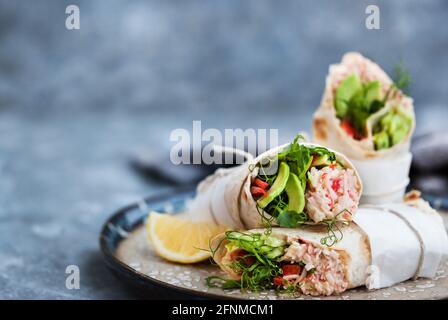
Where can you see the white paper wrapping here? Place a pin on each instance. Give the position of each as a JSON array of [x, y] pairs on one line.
[[406, 242], [384, 179]]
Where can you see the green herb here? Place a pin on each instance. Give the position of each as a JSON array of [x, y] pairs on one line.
[[269, 179], [256, 277], [299, 158], [355, 101], [291, 288], [396, 123], [256, 244], [335, 234], [266, 250], [278, 205], [266, 219], [291, 219], [223, 283], [391, 128], [321, 151], [402, 77]]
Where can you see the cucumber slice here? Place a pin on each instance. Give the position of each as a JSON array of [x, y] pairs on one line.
[[274, 242], [275, 253]]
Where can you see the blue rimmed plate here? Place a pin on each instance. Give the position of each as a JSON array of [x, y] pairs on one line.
[[129, 255]]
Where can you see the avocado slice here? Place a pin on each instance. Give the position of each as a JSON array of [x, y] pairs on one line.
[[381, 140], [341, 108], [373, 92], [399, 135], [401, 129], [346, 90], [296, 195], [277, 187], [396, 125], [307, 167], [386, 120]]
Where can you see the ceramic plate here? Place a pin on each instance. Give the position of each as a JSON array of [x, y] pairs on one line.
[[128, 253]]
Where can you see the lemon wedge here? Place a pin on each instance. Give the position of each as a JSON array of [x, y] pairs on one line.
[[180, 240]]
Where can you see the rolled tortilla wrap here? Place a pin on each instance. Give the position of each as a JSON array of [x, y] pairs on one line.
[[387, 245], [407, 241], [327, 127], [317, 210], [323, 270], [226, 198]]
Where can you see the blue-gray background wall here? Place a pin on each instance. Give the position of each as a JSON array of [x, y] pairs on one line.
[[207, 59], [74, 105]]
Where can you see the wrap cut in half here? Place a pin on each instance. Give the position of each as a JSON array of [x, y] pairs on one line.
[[388, 244], [363, 113], [291, 185], [293, 259]]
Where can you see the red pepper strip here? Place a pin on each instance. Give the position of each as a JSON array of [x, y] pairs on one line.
[[257, 192], [278, 281], [260, 183], [290, 269], [347, 127]]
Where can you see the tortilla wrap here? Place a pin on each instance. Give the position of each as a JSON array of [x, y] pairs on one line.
[[327, 129], [225, 197], [385, 245], [410, 235], [353, 248]]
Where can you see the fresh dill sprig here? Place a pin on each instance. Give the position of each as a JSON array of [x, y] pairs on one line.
[[402, 80], [402, 77]]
